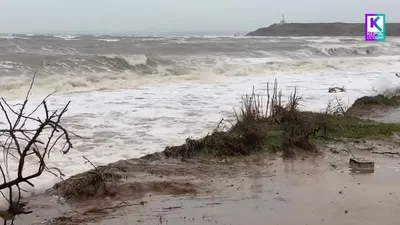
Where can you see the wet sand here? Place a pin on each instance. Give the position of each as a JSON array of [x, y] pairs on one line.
[[261, 189]]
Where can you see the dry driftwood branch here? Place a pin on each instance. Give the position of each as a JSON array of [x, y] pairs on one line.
[[20, 142]]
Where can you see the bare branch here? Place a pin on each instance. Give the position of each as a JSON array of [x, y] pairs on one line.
[[20, 142]]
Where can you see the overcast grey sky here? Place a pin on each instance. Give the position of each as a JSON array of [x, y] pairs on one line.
[[133, 16]]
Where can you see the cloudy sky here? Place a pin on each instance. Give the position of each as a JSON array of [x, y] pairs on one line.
[[157, 16]]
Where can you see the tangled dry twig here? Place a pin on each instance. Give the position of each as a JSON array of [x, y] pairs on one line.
[[101, 181], [336, 107], [20, 143]]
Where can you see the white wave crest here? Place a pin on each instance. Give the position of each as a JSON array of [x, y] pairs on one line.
[[108, 40], [66, 37]]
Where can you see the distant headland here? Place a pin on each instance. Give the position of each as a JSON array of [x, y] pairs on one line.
[[320, 29]]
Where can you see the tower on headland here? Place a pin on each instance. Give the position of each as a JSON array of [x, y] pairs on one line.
[[283, 20]]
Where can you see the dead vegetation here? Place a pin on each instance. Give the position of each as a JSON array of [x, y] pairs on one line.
[[337, 108], [21, 144]]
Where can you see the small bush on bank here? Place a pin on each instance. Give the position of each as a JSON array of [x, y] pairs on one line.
[[262, 122]]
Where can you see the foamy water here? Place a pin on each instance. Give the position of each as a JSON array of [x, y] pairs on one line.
[[164, 110]]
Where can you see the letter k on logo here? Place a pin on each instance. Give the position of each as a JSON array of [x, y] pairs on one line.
[[374, 23]]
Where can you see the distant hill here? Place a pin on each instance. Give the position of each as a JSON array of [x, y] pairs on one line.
[[320, 29]]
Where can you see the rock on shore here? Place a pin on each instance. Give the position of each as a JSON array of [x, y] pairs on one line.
[[320, 29]]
